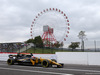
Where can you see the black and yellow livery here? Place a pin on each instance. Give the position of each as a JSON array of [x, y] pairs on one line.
[[31, 60]]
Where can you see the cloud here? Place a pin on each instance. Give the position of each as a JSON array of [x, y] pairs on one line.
[[16, 17]]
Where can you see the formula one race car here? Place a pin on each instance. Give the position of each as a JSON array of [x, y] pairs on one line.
[[35, 61]]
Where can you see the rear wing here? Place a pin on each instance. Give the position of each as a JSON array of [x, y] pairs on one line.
[[11, 56]]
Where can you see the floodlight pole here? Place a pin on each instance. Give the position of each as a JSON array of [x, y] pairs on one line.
[[83, 45], [95, 45]]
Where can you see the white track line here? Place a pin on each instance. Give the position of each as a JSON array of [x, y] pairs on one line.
[[34, 71], [78, 70], [92, 73], [81, 70]]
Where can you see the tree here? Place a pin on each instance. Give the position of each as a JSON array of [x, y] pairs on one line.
[[47, 43], [74, 45], [82, 36], [62, 44], [29, 41], [57, 44], [38, 42]]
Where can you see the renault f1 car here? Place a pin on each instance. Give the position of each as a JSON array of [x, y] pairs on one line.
[[30, 59]]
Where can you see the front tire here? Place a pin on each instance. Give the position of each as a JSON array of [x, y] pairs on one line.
[[45, 63]]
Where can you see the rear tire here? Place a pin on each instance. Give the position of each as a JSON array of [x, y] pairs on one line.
[[10, 62]]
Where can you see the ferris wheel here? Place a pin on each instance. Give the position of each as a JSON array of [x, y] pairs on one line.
[[51, 24]]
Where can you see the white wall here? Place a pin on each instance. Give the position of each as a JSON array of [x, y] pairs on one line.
[[94, 58], [81, 58], [72, 57]]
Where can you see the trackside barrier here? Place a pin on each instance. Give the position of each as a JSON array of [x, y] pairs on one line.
[[4, 56], [94, 58], [80, 58]]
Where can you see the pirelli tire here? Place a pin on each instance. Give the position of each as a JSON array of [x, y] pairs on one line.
[[45, 63], [10, 61]]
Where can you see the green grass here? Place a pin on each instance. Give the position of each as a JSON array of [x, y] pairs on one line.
[[43, 51]]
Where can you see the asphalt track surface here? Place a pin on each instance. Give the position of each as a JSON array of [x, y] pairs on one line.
[[33, 70]]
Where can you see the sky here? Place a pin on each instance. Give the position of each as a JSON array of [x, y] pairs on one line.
[[16, 17]]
